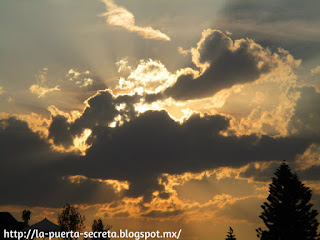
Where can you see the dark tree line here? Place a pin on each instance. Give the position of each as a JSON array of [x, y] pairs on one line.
[[70, 219], [287, 213]]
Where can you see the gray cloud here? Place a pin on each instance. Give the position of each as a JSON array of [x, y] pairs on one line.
[[150, 144], [153, 143], [139, 151], [265, 173], [262, 173], [274, 24], [25, 169], [311, 173], [306, 118], [121, 214], [162, 214], [231, 62], [101, 111], [59, 131], [270, 11]]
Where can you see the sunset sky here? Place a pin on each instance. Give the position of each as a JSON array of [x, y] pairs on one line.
[[157, 114]]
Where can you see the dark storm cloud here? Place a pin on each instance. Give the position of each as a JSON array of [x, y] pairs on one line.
[[138, 151], [230, 62], [141, 150], [100, 112], [19, 142], [59, 131], [26, 176], [44, 186]]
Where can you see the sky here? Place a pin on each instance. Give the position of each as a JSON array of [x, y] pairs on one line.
[[157, 115]]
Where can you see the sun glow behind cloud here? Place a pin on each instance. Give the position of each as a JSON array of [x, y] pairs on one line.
[[79, 142], [160, 139], [42, 91], [2, 91], [41, 88], [117, 185], [151, 77], [148, 77]]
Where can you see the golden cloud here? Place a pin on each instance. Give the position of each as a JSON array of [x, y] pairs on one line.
[[121, 17], [2, 91], [310, 157], [42, 91]]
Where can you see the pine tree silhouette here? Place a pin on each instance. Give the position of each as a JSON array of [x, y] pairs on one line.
[[288, 215], [230, 235]]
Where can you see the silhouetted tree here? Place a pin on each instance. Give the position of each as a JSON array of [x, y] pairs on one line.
[[230, 235], [288, 214], [98, 226], [26, 214], [70, 219]]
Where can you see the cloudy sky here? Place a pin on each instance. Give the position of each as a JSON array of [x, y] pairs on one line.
[[161, 114]]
